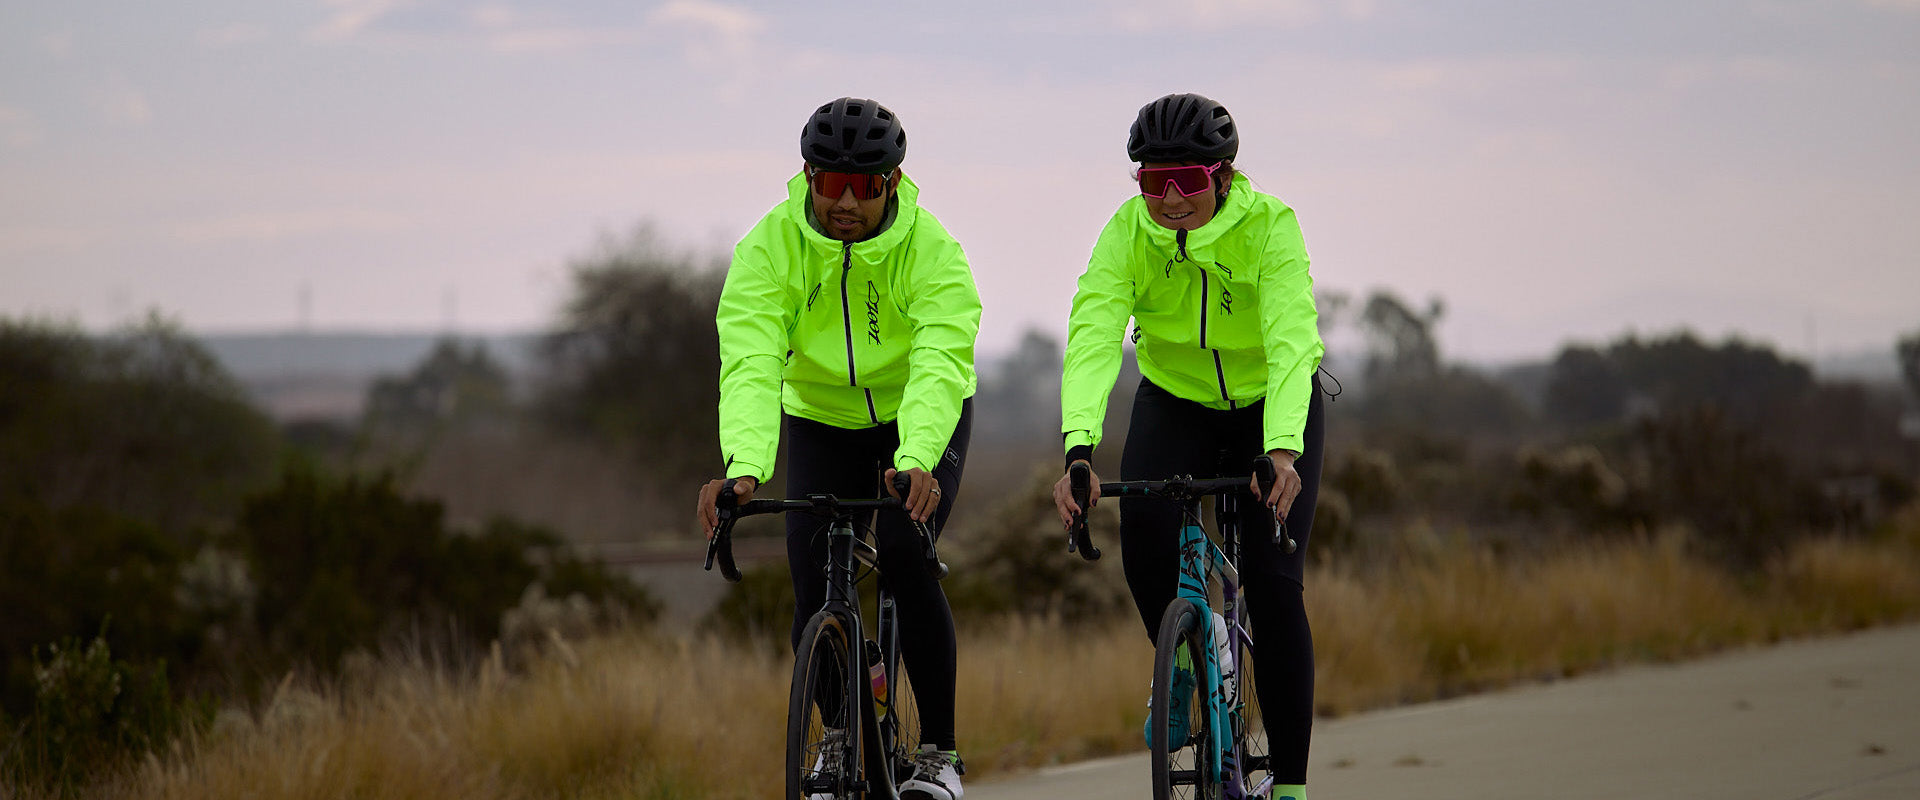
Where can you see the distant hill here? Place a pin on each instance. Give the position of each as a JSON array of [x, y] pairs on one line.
[[1868, 366], [252, 356], [325, 375]]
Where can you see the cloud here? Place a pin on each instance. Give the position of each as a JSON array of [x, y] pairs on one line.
[[18, 127], [1904, 6], [350, 17], [506, 29], [124, 105], [228, 35], [1694, 75], [1148, 16], [725, 41], [729, 23], [57, 44], [276, 226]]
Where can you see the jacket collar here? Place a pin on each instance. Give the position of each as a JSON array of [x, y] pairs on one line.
[[906, 204], [1229, 215]]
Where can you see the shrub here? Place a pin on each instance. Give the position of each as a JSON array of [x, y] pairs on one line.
[[92, 714], [349, 563]]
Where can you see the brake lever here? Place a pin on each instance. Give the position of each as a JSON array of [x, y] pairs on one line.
[[902, 484], [1263, 473], [1079, 537], [721, 545]]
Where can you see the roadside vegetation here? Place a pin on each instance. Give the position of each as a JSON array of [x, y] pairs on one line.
[[205, 602], [658, 715]]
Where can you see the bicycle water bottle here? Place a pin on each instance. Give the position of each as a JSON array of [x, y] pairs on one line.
[[1223, 650], [877, 673]]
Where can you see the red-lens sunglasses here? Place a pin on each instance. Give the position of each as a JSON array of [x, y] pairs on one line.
[[835, 184], [1190, 180]]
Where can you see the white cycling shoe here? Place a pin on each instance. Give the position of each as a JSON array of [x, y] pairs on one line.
[[936, 776]]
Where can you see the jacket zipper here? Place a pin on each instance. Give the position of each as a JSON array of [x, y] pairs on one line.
[[1219, 370], [846, 323]]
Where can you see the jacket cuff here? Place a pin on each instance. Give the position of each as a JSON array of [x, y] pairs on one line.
[[1079, 452], [742, 469], [1293, 444]]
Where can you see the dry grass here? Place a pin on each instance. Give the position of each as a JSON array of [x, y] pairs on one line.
[[619, 717], [1461, 620], [634, 716], [1034, 693]]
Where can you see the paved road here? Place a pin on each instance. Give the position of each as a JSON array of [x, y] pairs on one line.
[[1828, 719]]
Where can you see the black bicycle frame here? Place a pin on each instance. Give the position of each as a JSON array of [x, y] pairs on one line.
[[844, 549]]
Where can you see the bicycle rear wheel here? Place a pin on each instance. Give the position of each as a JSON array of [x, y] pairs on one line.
[[823, 724], [1180, 720]]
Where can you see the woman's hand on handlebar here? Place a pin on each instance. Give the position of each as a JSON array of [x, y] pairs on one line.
[[743, 487], [923, 493], [1286, 484], [1063, 495]]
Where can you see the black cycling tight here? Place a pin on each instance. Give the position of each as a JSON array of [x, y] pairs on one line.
[[1170, 436], [822, 458]]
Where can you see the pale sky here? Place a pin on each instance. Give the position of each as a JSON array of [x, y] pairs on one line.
[[1553, 171]]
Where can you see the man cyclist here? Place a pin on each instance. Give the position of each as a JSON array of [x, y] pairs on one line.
[[848, 318], [1214, 276]]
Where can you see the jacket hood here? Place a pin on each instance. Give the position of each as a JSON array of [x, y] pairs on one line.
[[907, 206], [1230, 214]]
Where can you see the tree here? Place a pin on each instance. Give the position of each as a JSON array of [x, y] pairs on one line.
[[1908, 350], [1585, 387], [142, 423], [1400, 340], [635, 359], [1019, 403], [455, 384]]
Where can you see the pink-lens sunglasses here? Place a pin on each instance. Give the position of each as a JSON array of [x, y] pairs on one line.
[[1190, 180]]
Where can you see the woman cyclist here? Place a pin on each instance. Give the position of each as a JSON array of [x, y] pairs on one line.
[[848, 318], [1214, 276]]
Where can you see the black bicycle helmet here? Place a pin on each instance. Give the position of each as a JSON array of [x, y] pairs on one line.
[[854, 135], [1183, 127]]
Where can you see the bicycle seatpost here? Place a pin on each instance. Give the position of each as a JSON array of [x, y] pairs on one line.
[[902, 483], [1264, 474], [1080, 539]]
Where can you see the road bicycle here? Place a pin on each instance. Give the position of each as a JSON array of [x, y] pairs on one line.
[[1202, 661], [852, 720]]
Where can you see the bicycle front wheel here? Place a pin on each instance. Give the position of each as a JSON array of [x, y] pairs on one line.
[[1249, 728], [1180, 722], [823, 724], [901, 728]]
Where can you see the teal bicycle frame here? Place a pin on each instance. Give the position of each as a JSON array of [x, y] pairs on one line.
[[1224, 759]]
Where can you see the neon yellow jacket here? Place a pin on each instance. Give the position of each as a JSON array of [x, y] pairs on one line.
[[1224, 315], [851, 335]]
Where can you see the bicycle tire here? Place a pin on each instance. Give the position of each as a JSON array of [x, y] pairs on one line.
[[1177, 773], [904, 711], [820, 669], [1249, 727]]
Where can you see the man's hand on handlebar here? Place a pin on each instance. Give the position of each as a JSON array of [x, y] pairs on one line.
[[1063, 495], [923, 496], [743, 487]]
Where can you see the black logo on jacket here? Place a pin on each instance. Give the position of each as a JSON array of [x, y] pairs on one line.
[[873, 313]]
